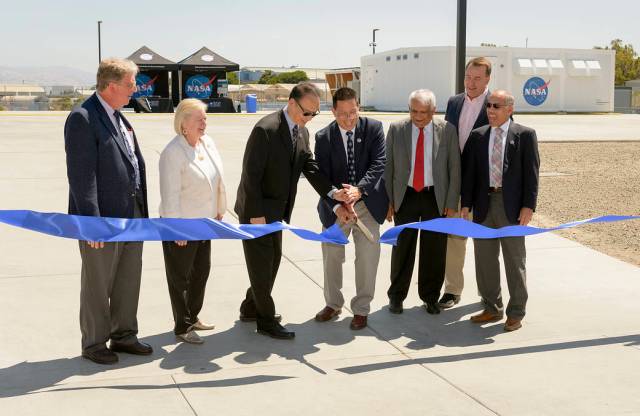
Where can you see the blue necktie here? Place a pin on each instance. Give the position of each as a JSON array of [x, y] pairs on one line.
[[128, 145]]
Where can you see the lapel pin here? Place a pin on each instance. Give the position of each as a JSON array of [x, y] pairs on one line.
[[359, 140]]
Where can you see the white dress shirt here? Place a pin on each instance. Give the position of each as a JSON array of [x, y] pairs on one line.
[[492, 136], [428, 152], [121, 127], [470, 111]]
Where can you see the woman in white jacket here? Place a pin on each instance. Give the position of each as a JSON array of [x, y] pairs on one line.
[[191, 186]]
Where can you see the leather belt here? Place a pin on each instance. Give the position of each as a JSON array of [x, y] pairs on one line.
[[494, 189]]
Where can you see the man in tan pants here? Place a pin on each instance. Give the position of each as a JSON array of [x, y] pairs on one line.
[[466, 111], [350, 152]]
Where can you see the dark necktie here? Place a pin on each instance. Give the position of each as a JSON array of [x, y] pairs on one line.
[[128, 145], [351, 165]]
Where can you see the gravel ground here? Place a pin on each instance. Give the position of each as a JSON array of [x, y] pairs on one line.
[[584, 180]]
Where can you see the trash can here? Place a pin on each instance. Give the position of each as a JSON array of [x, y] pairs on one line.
[[252, 103]]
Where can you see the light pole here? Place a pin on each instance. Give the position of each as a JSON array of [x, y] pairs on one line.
[[461, 45], [373, 44], [99, 43]]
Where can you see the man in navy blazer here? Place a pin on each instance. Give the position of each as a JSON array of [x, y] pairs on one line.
[[466, 111], [500, 185], [106, 174], [351, 152]]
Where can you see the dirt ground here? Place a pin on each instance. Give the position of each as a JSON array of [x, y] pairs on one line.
[[585, 180]]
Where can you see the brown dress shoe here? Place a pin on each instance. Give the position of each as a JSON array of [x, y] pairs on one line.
[[485, 317], [327, 314], [358, 322], [512, 324]]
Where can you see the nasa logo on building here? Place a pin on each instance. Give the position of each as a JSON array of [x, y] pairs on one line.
[[199, 86], [535, 91], [145, 86]]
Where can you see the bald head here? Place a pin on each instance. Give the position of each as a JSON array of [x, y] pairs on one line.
[[503, 100]]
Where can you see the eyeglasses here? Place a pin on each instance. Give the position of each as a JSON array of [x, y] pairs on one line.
[[307, 113], [352, 114], [495, 105]]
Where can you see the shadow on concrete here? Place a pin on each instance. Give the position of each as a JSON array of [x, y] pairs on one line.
[[248, 347], [229, 382], [426, 331], [631, 339]]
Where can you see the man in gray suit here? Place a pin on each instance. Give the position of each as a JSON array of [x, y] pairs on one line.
[[422, 177], [106, 173]]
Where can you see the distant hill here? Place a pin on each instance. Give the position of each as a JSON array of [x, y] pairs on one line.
[[50, 75]]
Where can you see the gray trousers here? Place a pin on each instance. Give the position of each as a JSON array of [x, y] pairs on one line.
[[366, 263], [488, 266], [109, 289]]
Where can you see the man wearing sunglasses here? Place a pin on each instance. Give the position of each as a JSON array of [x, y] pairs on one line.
[[500, 185], [276, 153], [466, 111]]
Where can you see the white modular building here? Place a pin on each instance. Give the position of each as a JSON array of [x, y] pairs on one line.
[[541, 80]]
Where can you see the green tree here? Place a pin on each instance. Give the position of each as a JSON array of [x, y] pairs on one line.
[[627, 61], [232, 77], [292, 77], [267, 77]]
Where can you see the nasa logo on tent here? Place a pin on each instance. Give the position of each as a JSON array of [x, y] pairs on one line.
[[199, 86], [145, 85], [535, 91]]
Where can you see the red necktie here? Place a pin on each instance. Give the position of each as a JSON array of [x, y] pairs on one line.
[[418, 170]]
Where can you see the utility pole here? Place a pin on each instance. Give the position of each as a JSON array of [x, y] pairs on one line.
[[373, 44], [99, 43], [461, 45]]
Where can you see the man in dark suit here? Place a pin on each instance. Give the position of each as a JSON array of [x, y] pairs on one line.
[[351, 151], [500, 185], [422, 178], [466, 111], [276, 153], [107, 178]]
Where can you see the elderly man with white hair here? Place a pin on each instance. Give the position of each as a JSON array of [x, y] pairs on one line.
[[422, 177]]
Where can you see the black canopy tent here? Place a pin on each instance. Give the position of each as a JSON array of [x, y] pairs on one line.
[[199, 76], [153, 81]]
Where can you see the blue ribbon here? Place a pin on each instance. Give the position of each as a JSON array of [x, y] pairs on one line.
[[153, 229], [172, 229], [464, 228]]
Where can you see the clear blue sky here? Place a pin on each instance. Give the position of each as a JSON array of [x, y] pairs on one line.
[[325, 33]]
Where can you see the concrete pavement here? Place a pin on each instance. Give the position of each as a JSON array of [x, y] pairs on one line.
[[577, 353]]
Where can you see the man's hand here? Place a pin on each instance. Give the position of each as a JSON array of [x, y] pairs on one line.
[[259, 220], [181, 243], [344, 215], [96, 244], [450, 213], [525, 215], [353, 192], [341, 195], [464, 213], [390, 213]]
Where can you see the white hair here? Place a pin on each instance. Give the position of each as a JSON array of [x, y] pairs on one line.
[[426, 97], [185, 109]]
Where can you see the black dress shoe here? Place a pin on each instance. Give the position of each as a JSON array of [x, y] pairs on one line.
[[395, 307], [448, 300], [252, 318], [277, 332], [137, 348], [103, 356], [432, 308]]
